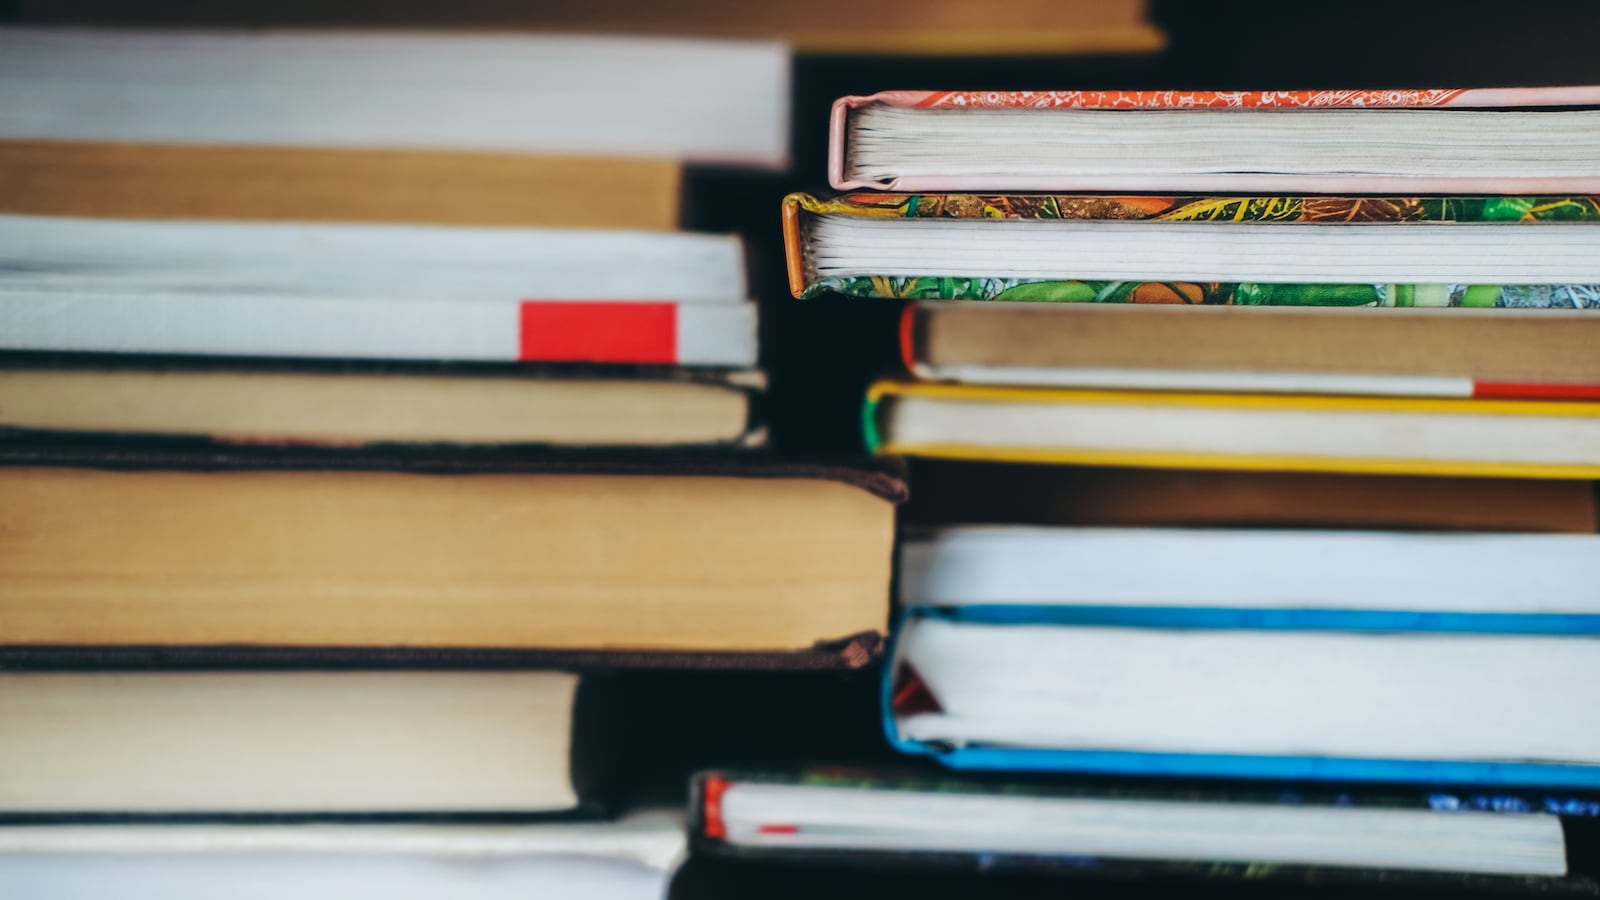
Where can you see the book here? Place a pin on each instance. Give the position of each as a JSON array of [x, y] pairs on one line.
[[1299, 695], [306, 184], [364, 291], [1256, 575], [1198, 250], [947, 28], [1403, 352], [1081, 830], [291, 743], [307, 556], [719, 102], [966, 492], [1382, 141], [1255, 432], [56, 397], [629, 859]]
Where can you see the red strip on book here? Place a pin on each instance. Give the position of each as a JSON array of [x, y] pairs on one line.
[[599, 331], [712, 790], [1510, 390]]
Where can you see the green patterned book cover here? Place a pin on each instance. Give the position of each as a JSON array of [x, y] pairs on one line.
[[807, 278]]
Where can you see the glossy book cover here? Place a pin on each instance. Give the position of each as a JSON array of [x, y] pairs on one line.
[[799, 210]]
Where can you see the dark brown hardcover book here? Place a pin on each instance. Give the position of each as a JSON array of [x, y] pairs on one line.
[[169, 556]]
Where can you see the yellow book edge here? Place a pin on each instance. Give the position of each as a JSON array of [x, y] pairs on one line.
[[1225, 461]]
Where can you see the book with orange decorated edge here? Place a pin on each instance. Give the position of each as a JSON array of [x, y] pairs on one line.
[[1262, 432], [1510, 140], [1521, 252]]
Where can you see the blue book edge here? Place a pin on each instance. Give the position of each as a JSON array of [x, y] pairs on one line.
[[1273, 768]]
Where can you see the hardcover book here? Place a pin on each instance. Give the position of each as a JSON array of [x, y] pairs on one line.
[[1287, 694], [365, 291], [1200, 250], [394, 556], [58, 397], [1415, 352], [895, 28], [1499, 140], [1423, 839], [1254, 432]]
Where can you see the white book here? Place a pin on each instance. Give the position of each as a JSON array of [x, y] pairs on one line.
[[1455, 697], [630, 859], [1019, 823], [1252, 569], [705, 101], [367, 291]]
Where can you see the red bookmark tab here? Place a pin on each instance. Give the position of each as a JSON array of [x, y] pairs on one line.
[[599, 331], [1510, 390], [712, 790]]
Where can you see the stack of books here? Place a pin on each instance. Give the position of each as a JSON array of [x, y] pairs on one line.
[[360, 401], [1392, 295]]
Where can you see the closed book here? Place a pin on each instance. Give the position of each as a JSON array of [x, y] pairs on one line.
[[309, 184], [1240, 432], [275, 745], [945, 28], [185, 556], [1433, 140], [1275, 251], [1087, 830], [370, 291], [1403, 352], [1335, 655], [702, 101], [67, 396], [631, 858], [965, 492]]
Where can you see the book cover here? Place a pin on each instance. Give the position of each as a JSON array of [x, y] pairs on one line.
[[710, 828], [798, 209], [1380, 98], [597, 531], [1365, 428], [904, 693], [1291, 350], [200, 401]]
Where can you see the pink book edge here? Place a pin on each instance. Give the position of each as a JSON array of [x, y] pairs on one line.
[[1577, 95]]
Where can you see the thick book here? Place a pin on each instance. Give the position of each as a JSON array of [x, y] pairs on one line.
[[1252, 432], [1343, 695], [366, 291], [236, 402], [1437, 839], [631, 858], [308, 184], [701, 101], [1451, 140], [898, 28], [263, 744], [1416, 353], [141, 555], [966, 492], [1293, 251]]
